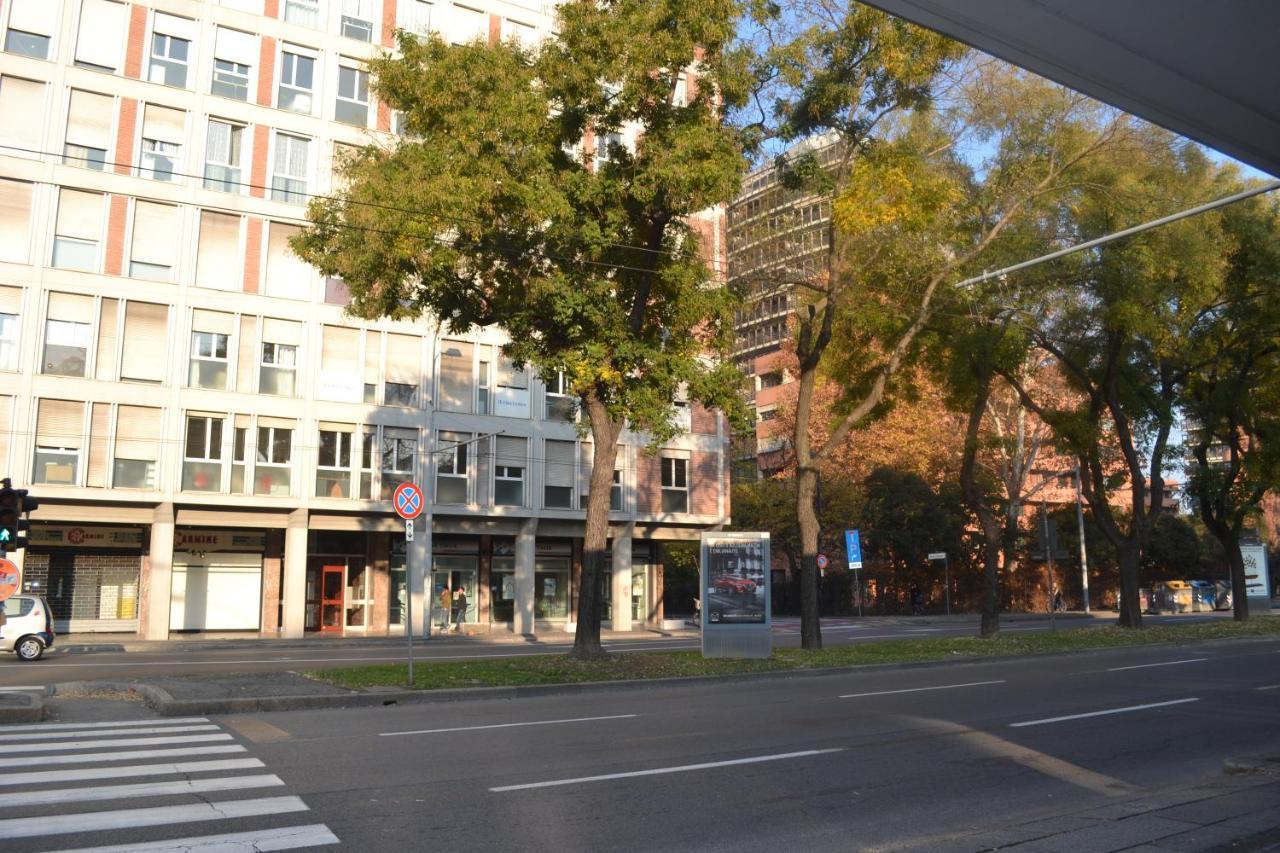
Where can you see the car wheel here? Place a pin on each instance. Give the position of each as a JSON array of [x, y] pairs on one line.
[[29, 648]]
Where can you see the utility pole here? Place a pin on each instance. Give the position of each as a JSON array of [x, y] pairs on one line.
[[1084, 557], [1048, 561]]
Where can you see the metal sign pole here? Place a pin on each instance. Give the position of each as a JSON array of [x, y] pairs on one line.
[[408, 597], [946, 575]]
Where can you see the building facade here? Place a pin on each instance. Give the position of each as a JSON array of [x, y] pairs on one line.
[[214, 442]]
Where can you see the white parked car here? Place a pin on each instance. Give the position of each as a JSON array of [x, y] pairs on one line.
[[27, 628]]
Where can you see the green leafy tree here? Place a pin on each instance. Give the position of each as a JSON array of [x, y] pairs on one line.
[[492, 210]]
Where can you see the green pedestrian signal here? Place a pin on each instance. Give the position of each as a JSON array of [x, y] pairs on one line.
[[14, 503]]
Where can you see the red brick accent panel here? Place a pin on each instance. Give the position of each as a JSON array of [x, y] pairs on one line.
[[252, 254], [384, 117], [124, 135], [137, 42], [116, 219], [495, 28], [258, 170], [704, 483], [266, 70], [703, 419], [648, 483], [271, 8], [388, 23]]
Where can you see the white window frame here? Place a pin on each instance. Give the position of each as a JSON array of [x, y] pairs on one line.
[[354, 100], [282, 358], [289, 191], [148, 157], [678, 467], [555, 391], [72, 329], [10, 327], [212, 450], [288, 82], [264, 457], [304, 13], [503, 474], [447, 461], [344, 441], [233, 183], [400, 474], [353, 14], [164, 60], [198, 355], [231, 77]]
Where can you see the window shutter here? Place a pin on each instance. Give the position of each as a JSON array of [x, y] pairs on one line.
[[287, 275], [138, 433], [278, 423], [155, 227], [10, 303], [235, 46], [146, 341], [404, 359], [511, 451], [213, 321], [164, 124], [89, 119], [247, 362], [71, 307], [218, 261], [15, 220], [559, 463], [79, 215], [6, 425], [331, 426], [20, 97], [339, 349], [34, 16], [281, 331], [106, 361], [102, 33], [60, 423], [183, 28], [372, 354], [100, 424]]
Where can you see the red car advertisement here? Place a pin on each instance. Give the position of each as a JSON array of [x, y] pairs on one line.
[[735, 575]]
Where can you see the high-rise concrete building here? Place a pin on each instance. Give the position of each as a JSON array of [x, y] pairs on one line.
[[214, 442]]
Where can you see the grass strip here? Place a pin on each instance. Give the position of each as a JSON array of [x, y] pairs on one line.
[[560, 669]]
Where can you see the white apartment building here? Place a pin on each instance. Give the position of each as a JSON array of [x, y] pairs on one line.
[[213, 441]]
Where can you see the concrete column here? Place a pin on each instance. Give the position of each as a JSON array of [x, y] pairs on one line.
[[526, 540], [159, 574], [294, 584], [418, 571], [622, 577]]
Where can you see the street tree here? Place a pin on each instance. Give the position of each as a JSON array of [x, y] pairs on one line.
[[512, 199]]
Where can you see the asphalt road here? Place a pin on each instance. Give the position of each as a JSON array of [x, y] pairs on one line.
[[907, 759], [67, 662]]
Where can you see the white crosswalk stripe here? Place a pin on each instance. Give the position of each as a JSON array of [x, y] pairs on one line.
[[173, 788]]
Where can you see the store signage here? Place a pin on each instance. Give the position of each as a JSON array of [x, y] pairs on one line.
[[218, 540], [736, 613], [72, 536]]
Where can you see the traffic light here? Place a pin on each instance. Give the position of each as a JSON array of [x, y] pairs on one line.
[[14, 503]]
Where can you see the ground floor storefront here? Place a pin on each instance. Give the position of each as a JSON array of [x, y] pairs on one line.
[[287, 575]]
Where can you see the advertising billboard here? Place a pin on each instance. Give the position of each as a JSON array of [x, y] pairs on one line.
[[1257, 579], [735, 595]]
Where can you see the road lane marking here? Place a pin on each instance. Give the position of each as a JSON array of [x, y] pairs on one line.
[[1101, 713], [284, 838], [85, 757], [1163, 663], [41, 777], [157, 730], [919, 689], [27, 827], [16, 687], [1269, 687], [658, 771], [508, 725], [45, 727], [143, 789], [97, 744]]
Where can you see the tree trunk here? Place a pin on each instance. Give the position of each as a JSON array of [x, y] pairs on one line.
[[1009, 549], [978, 505], [1129, 556], [604, 434], [1239, 587], [806, 511]]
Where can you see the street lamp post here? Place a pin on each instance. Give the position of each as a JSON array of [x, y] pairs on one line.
[[1048, 561]]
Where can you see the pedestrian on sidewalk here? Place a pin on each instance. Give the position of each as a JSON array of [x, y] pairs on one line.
[[446, 600], [460, 603], [917, 600]]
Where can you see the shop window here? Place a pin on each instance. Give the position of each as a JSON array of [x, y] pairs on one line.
[[274, 454], [202, 454], [170, 50], [15, 220], [404, 357], [357, 20], [88, 140], [305, 13], [137, 449], [451, 467], [78, 230], [219, 258], [31, 27], [153, 252], [101, 35], [223, 152], [278, 370], [297, 81], [163, 130], [333, 463], [455, 377], [675, 484], [508, 473], [209, 360], [513, 390], [234, 53], [559, 472], [59, 442], [144, 354], [399, 447], [353, 96], [368, 448], [560, 405]]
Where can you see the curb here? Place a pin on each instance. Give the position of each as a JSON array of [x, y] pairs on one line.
[[1266, 766], [21, 708]]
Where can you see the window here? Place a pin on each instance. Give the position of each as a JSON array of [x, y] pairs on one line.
[[8, 333], [468, 25], [304, 12], [275, 450], [402, 371], [219, 262], [102, 34], [153, 250], [162, 134], [78, 230], [483, 382], [451, 468], [353, 96], [675, 484], [20, 97], [455, 376], [525, 35], [606, 149], [560, 404], [31, 25], [88, 138], [137, 449], [209, 360], [202, 454], [513, 390], [297, 81], [223, 148], [415, 16], [615, 491], [357, 19], [279, 368], [333, 463], [234, 53], [768, 415], [683, 416], [558, 474], [340, 364], [680, 98], [289, 181], [170, 50], [399, 447], [59, 440], [68, 334], [287, 275], [508, 471], [15, 221], [771, 380], [144, 355], [239, 457], [369, 443]]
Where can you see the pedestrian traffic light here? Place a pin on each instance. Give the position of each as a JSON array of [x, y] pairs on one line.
[[13, 504]]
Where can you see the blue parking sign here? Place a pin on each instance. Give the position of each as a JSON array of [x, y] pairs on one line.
[[853, 544]]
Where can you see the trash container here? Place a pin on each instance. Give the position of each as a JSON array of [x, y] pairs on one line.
[[1222, 595], [1175, 596], [1203, 596]]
